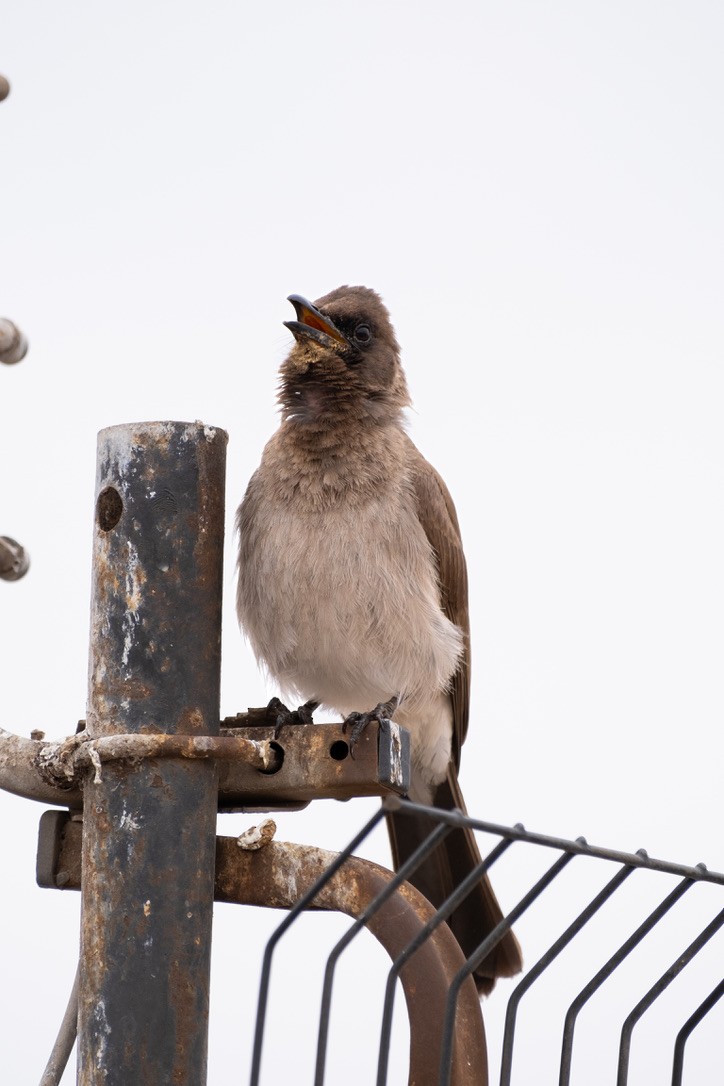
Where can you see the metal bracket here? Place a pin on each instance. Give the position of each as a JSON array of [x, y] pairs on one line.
[[59, 835], [306, 762], [314, 762], [358, 889]]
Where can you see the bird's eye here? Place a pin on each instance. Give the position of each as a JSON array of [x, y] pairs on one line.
[[363, 334]]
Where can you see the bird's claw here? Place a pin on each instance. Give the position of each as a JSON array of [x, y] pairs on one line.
[[279, 715], [357, 722]]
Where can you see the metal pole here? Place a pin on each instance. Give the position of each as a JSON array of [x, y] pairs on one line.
[[149, 827]]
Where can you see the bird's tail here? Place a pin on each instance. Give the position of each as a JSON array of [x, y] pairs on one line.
[[443, 870]]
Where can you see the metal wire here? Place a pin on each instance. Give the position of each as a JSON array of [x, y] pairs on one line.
[[687, 1029], [534, 973], [65, 1041], [303, 903], [441, 915], [655, 991], [603, 974], [407, 869], [485, 947], [567, 850]]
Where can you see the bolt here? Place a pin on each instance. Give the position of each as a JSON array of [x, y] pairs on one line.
[[13, 344], [14, 560]]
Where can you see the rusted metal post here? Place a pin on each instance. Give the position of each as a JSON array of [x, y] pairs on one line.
[[278, 875], [149, 827]]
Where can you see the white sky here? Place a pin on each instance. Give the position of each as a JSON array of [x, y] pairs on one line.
[[536, 190]]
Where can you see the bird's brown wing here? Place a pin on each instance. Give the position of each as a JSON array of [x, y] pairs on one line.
[[443, 870], [439, 520], [452, 861]]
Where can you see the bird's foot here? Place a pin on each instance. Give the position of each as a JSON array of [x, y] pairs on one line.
[[357, 722], [279, 716]]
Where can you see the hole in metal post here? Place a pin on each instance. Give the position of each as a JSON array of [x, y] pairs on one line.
[[339, 750], [109, 508], [278, 759]]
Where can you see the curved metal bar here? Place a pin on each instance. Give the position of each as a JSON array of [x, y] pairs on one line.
[[303, 902], [688, 1028], [373, 906], [655, 991], [441, 915], [20, 772], [605, 972], [52, 772], [65, 1041], [263, 878], [550, 955], [465, 973], [72, 758]]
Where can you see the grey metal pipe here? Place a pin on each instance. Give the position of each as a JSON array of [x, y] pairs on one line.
[[149, 827]]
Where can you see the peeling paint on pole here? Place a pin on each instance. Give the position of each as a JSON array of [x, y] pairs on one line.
[[149, 826]]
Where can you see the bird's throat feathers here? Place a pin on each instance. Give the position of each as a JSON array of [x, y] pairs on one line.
[[323, 466], [324, 398], [342, 391]]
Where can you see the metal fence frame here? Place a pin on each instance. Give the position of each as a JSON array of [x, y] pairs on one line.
[[566, 850]]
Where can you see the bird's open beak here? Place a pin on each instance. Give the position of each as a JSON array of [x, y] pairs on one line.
[[311, 324]]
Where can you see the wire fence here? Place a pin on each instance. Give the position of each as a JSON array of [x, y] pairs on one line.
[[667, 887]]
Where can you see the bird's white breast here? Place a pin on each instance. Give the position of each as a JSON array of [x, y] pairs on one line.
[[343, 605]]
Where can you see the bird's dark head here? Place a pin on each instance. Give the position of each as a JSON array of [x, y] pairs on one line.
[[345, 361]]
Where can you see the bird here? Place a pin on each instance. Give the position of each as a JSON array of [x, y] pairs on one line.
[[352, 580]]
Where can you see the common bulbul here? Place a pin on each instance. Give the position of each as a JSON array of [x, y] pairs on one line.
[[352, 583]]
